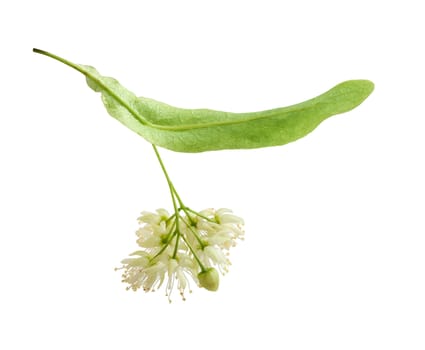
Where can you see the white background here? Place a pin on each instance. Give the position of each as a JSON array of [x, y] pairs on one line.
[[334, 250]]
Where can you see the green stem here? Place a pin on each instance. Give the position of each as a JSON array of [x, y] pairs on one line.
[[188, 215], [170, 185], [176, 247], [171, 231], [195, 234], [170, 218], [163, 247], [178, 198], [200, 215], [194, 254], [174, 195]]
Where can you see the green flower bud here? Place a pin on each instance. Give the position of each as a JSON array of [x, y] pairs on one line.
[[209, 279]]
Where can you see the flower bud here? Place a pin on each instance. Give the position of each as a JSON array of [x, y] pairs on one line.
[[209, 279]]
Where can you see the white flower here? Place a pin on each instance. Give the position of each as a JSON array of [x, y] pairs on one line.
[[177, 273], [152, 218], [183, 247], [146, 276], [225, 216], [223, 229], [152, 235], [214, 256]]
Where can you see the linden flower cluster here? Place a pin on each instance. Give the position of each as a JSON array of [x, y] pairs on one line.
[[181, 247]]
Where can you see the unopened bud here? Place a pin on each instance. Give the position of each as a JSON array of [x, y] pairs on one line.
[[209, 279]]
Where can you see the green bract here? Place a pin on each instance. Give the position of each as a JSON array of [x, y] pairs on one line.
[[198, 130]]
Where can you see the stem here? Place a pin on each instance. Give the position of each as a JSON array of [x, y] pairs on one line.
[[164, 247], [200, 215], [170, 185], [170, 218], [195, 234], [179, 199], [172, 230], [174, 195], [194, 254], [188, 215], [176, 247]]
